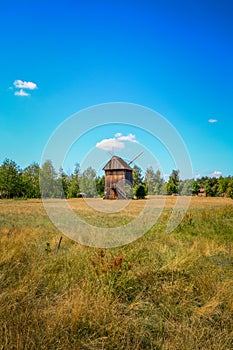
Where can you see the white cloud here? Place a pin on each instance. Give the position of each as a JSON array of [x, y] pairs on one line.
[[110, 144], [129, 137], [21, 92], [116, 142], [212, 121], [216, 173], [19, 84], [197, 176]]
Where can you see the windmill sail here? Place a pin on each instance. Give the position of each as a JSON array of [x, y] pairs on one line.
[[139, 155]]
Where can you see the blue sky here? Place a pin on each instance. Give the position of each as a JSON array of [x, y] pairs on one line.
[[175, 57]]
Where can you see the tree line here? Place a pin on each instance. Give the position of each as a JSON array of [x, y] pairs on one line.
[[35, 181]]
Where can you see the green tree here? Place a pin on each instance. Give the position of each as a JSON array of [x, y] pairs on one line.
[[63, 183], [223, 184], [163, 189], [73, 184], [201, 181], [153, 181], [88, 183], [211, 186], [187, 187], [48, 181], [208, 190], [229, 191], [30, 181], [159, 182], [150, 180], [173, 182], [137, 176], [10, 179], [196, 187], [171, 188], [140, 191], [100, 185]]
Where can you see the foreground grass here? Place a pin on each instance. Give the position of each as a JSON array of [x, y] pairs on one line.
[[163, 291]]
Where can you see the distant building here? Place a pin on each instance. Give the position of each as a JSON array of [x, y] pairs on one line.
[[201, 192], [118, 179]]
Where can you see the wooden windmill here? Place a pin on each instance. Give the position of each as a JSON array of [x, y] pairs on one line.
[[118, 177]]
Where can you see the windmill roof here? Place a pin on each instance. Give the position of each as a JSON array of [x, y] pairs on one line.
[[117, 163]]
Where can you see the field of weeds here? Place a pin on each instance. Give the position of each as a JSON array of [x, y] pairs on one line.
[[163, 291]]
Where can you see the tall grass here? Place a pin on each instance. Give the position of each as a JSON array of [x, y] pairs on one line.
[[163, 291]]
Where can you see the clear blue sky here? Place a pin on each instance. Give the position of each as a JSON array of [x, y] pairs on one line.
[[173, 56]]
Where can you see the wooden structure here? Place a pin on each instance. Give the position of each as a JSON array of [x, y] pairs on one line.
[[202, 192], [118, 176]]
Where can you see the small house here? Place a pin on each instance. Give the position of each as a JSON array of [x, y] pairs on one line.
[[118, 179], [202, 192]]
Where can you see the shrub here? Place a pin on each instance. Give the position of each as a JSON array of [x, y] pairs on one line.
[[140, 191]]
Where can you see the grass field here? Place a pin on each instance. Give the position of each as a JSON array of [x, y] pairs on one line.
[[163, 291]]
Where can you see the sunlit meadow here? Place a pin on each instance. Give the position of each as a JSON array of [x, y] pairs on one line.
[[163, 291]]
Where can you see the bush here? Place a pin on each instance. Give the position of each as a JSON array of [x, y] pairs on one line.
[[230, 190], [140, 191]]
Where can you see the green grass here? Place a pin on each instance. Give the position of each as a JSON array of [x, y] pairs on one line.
[[163, 291]]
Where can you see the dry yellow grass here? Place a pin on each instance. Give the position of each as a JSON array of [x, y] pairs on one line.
[[35, 206], [196, 202], [163, 291]]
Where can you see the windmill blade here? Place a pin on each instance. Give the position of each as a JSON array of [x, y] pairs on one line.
[[139, 155]]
